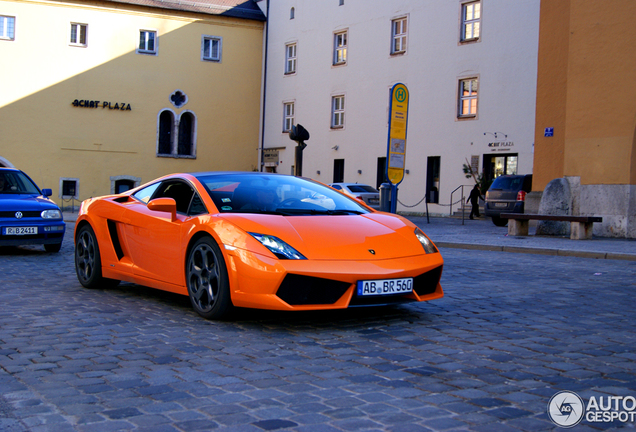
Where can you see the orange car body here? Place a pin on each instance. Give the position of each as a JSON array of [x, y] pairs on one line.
[[148, 244]]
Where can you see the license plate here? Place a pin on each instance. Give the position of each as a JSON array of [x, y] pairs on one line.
[[374, 200], [501, 204], [20, 230], [385, 286]]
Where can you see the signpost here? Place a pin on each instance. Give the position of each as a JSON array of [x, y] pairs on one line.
[[396, 142]]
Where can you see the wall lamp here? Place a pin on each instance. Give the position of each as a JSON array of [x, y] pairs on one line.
[[495, 134], [359, 171], [335, 148], [318, 172]]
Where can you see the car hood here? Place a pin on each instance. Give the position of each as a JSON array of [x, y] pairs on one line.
[[25, 202], [372, 236]]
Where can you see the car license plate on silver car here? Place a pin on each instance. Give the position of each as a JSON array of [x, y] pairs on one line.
[[20, 230], [501, 204], [385, 286]]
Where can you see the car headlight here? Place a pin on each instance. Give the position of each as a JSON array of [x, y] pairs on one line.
[[428, 245], [278, 247], [51, 214]]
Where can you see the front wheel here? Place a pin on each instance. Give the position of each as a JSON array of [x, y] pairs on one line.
[[207, 280], [88, 263]]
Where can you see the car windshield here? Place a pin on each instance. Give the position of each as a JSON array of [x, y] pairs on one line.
[[276, 194], [15, 182], [507, 183], [362, 188]]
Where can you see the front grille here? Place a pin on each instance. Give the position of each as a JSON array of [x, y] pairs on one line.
[[307, 290], [426, 283], [25, 214]]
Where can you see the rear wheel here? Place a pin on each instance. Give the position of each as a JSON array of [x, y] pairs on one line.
[[88, 263], [500, 222], [207, 280]]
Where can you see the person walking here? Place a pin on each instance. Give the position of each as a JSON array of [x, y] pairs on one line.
[[474, 196]]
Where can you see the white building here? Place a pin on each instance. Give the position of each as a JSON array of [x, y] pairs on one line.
[[470, 68]]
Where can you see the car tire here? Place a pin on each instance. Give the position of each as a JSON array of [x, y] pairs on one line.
[[500, 222], [53, 248], [207, 280], [88, 263]]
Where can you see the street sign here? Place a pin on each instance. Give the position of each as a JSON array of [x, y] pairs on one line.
[[548, 132], [396, 142]]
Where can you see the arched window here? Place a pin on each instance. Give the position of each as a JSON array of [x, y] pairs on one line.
[[166, 123], [292, 13], [186, 123]]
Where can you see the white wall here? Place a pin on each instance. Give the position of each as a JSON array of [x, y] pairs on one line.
[[504, 60]]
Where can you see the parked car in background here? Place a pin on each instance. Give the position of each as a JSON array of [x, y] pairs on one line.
[[368, 194], [507, 194], [27, 215]]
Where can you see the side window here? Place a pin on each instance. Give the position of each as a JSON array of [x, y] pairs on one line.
[[290, 58], [211, 48], [78, 34], [398, 35], [471, 21], [288, 116], [147, 42], [468, 93], [180, 191], [144, 195], [340, 48], [196, 206]]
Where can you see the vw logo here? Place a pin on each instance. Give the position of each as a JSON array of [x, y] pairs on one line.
[[18, 215]]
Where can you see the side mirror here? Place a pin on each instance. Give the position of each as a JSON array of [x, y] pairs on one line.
[[47, 192], [167, 205]]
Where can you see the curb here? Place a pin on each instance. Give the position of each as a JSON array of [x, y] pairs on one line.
[[539, 251]]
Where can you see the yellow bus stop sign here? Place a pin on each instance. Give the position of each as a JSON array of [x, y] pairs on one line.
[[396, 146]]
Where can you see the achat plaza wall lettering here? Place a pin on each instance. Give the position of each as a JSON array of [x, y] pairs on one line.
[[123, 106]]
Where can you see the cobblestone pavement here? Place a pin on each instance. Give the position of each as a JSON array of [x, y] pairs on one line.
[[512, 330]]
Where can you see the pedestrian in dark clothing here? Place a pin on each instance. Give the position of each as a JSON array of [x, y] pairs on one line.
[[474, 196]]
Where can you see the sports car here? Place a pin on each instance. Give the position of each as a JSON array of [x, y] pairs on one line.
[[254, 240], [27, 215]]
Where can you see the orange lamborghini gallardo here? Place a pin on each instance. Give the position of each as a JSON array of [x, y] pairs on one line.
[[254, 240]]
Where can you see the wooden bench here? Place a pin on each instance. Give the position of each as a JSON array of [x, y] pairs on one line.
[[580, 226]]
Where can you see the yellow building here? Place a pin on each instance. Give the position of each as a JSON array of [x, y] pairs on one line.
[[586, 108], [100, 96]]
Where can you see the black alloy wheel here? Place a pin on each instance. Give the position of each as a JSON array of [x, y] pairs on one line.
[[88, 263], [207, 280]]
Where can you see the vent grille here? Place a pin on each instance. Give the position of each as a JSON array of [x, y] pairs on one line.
[[307, 290]]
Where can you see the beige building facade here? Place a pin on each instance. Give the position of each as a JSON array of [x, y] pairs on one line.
[[100, 96], [586, 109]]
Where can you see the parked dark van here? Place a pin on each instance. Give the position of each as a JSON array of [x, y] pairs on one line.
[[507, 194]]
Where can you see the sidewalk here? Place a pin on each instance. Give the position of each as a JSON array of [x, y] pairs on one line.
[[482, 234]]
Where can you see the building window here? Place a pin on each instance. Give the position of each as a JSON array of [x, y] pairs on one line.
[[69, 188], [468, 91], [398, 33], [471, 21], [211, 48], [78, 34], [186, 135], [340, 48], [147, 42], [292, 13], [7, 27], [288, 116], [337, 112], [290, 58], [176, 138], [122, 183]]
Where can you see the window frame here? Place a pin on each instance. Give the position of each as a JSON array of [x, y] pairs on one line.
[[70, 180], [291, 59], [145, 50], [174, 134], [5, 34], [473, 22], [288, 119], [204, 56], [77, 42], [340, 49], [395, 36], [472, 96], [338, 111]]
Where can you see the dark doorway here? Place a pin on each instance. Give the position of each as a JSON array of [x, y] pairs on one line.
[[498, 164], [381, 175], [432, 178], [338, 170]]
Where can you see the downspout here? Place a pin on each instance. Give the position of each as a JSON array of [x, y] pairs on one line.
[[262, 163]]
